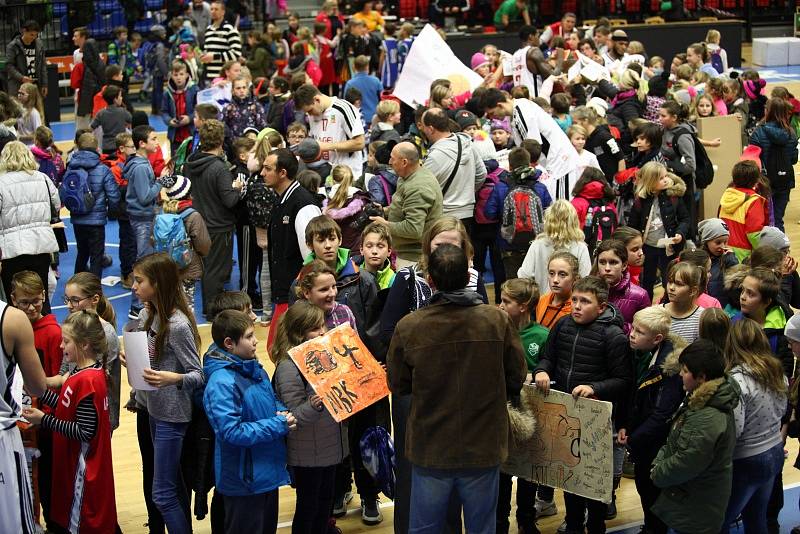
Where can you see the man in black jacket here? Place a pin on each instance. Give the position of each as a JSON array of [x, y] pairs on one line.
[[287, 229], [93, 76], [25, 60], [214, 195]]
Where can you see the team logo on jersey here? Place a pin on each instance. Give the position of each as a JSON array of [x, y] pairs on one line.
[[285, 219], [533, 349]]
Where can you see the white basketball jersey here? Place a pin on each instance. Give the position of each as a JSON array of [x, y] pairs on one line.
[[521, 74]]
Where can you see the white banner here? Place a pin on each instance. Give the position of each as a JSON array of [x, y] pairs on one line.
[[429, 59]]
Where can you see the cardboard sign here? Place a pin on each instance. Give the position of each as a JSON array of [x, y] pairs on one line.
[[572, 447], [342, 371]]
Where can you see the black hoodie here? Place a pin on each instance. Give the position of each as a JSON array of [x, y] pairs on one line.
[[212, 193]]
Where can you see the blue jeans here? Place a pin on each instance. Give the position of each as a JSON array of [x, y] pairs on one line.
[[430, 495], [143, 232], [780, 199], [169, 494], [752, 485]]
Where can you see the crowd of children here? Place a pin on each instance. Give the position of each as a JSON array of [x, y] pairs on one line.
[[700, 370]]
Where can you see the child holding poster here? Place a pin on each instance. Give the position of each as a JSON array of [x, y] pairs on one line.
[[317, 446]]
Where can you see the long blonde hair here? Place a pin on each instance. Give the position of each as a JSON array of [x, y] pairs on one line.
[[292, 326], [343, 176], [35, 100], [561, 225], [747, 346]]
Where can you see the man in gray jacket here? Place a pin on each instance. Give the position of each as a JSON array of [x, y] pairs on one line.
[[25, 60], [459, 175]]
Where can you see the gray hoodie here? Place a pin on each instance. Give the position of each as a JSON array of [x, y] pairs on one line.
[[758, 415], [459, 200]]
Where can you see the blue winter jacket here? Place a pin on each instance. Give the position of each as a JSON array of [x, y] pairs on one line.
[[250, 449], [143, 189], [102, 185], [168, 106], [494, 206]]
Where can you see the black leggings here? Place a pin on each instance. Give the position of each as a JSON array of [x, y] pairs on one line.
[[314, 487], [655, 259]]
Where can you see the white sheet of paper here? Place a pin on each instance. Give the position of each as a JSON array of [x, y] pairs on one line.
[[593, 71], [138, 359], [574, 71]]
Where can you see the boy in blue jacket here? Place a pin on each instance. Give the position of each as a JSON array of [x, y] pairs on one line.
[[249, 424], [657, 394], [142, 194]]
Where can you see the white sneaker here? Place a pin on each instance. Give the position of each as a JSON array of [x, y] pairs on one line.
[[545, 508], [563, 526]]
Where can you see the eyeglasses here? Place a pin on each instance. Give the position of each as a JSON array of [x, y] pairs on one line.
[[74, 300], [22, 304], [129, 147]]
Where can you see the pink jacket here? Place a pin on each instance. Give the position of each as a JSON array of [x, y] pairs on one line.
[[628, 299]]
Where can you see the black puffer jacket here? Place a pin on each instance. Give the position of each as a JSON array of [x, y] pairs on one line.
[[595, 354], [673, 210]]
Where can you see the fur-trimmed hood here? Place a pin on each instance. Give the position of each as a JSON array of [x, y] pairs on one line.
[[721, 393], [678, 187], [671, 366]]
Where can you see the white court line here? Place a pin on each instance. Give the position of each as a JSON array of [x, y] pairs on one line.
[[115, 245]]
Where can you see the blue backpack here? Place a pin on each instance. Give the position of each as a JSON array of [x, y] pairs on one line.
[[169, 235], [75, 193], [377, 454]]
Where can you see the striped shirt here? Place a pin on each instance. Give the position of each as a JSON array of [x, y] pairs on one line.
[[83, 428], [225, 43], [687, 327]]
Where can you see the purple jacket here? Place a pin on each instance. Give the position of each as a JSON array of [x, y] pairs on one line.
[[628, 299]]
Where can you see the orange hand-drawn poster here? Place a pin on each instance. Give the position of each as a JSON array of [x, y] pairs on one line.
[[342, 371]]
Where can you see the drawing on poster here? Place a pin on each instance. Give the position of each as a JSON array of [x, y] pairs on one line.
[[342, 371], [572, 446]]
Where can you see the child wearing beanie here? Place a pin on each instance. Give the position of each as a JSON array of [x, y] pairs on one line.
[[714, 236], [179, 202]]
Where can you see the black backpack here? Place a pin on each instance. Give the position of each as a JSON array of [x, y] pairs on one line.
[[779, 169], [600, 223], [704, 169]]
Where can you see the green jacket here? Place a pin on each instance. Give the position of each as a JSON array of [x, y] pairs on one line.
[[384, 276], [533, 337], [415, 205], [694, 468]]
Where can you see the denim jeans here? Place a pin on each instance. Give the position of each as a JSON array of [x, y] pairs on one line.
[[91, 241], [168, 494], [430, 496], [780, 199], [752, 485], [143, 233]]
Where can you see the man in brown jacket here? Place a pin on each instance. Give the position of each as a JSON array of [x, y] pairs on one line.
[[459, 359]]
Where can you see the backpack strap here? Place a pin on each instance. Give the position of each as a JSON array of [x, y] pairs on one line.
[[385, 186], [185, 213], [455, 167]]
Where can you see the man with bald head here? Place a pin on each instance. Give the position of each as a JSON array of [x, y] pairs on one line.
[[416, 203]]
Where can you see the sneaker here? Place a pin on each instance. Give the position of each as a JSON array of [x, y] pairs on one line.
[[371, 511], [545, 508], [340, 504], [265, 319], [611, 510], [127, 281], [107, 261], [562, 527], [133, 313]]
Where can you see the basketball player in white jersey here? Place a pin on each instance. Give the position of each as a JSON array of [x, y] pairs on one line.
[[529, 67], [16, 349]]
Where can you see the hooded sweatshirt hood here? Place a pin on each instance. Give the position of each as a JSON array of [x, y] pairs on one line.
[[47, 321], [41, 153], [85, 159], [199, 162], [133, 163], [592, 190], [217, 358], [721, 393], [611, 316], [735, 202]]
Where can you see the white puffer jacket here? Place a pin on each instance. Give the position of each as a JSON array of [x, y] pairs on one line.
[[25, 200]]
